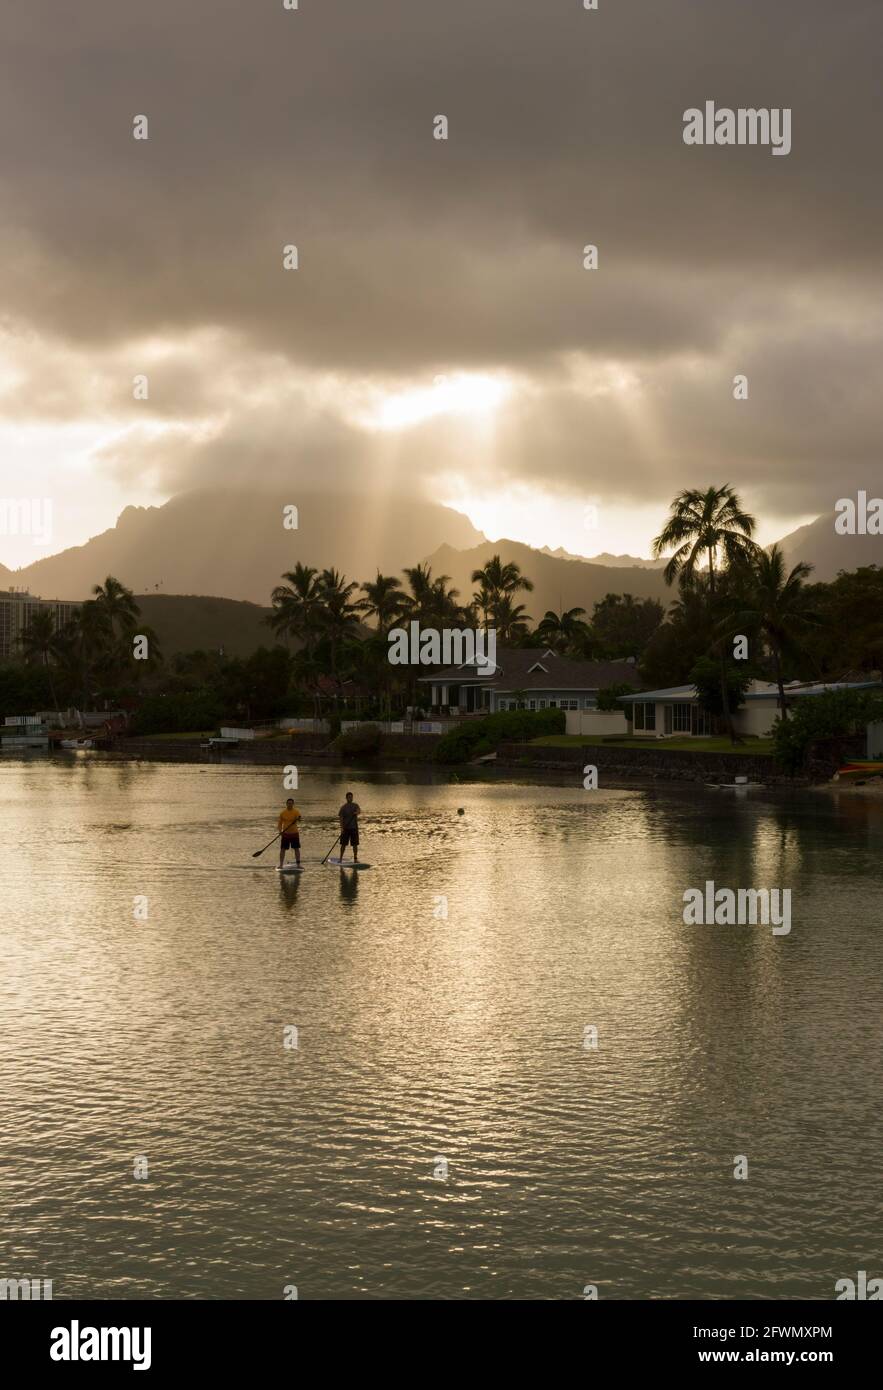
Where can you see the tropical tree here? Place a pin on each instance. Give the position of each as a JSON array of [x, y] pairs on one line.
[[710, 526], [510, 620], [297, 605], [713, 527], [497, 581], [338, 616], [566, 632], [41, 643], [118, 605], [384, 600], [775, 606]]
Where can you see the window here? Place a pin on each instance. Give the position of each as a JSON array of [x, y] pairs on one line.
[[568, 704], [531, 704], [645, 715], [680, 719], [553, 704], [700, 722]]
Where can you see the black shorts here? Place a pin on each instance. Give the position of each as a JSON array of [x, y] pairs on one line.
[[349, 837], [291, 842]]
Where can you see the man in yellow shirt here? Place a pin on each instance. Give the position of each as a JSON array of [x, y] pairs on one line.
[[288, 822]]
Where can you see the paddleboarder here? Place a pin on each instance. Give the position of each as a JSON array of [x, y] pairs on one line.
[[348, 815], [289, 823]]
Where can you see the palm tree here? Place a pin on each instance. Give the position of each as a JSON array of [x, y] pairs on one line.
[[713, 526], [776, 606], [510, 621], [383, 600], [39, 641], [430, 601], [709, 525], [297, 604], [118, 604], [85, 643], [566, 631], [338, 615], [498, 581]]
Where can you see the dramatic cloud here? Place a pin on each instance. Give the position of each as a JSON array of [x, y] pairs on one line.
[[418, 257]]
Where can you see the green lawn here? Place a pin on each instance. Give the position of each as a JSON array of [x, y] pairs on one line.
[[166, 738], [688, 745]]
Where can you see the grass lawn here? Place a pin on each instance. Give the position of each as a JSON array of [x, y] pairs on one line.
[[167, 738], [687, 745]]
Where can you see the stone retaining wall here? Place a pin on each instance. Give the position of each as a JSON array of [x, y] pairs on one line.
[[646, 763]]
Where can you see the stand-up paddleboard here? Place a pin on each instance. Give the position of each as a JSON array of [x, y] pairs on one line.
[[289, 869], [348, 864]]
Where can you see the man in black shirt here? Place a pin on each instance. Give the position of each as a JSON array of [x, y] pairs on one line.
[[348, 815]]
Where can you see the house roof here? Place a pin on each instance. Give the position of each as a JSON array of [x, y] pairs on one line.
[[537, 668], [758, 690]]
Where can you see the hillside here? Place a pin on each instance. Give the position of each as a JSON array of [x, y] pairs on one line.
[[232, 543], [558, 583], [819, 545], [185, 623]]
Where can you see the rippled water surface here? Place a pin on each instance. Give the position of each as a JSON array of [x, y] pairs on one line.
[[425, 1037]]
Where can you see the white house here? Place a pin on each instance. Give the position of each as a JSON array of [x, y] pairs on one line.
[[676, 712]]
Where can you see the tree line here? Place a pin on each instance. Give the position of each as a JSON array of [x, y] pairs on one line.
[[738, 612]]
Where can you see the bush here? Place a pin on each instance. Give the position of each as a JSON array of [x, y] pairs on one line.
[[822, 716], [364, 740], [190, 712], [479, 736], [608, 699], [334, 725]]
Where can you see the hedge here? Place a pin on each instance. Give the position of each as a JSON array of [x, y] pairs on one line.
[[482, 735]]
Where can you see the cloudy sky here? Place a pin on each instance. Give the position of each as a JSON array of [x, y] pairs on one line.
[[440, 334]]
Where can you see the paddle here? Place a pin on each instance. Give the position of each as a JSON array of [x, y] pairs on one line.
[[258, 852], [337, 841]]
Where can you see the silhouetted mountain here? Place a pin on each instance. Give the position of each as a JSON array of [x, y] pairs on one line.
[[557, 583], [819, 545], [233, 544]]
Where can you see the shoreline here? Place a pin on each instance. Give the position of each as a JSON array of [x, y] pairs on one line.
[[659, 769]]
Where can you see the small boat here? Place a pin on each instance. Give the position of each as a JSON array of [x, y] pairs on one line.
[[76, 744]]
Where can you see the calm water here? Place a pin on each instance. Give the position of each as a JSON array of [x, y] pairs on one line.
[[422, 1038]]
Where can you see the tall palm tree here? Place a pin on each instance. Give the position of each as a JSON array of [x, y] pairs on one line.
[[497, 581], [510, 620], [776, 606], [431, 601], [297, 604], [711, 526], [565, 631], [39, 641], [86, 641], [338, 614], [118, 604], [383, 600]]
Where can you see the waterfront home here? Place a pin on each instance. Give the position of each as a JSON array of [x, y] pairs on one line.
[[676, 712], [524, 678]]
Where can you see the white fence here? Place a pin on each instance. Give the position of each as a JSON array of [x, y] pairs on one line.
[[596, 721], [237, 733], [875, 740]]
